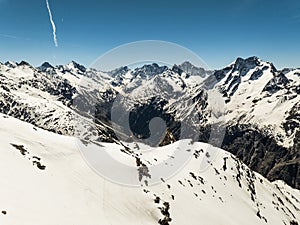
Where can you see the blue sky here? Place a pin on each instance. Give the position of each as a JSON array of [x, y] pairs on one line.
[[218, 31]]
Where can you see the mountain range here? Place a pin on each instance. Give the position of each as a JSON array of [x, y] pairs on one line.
[[46, 110]]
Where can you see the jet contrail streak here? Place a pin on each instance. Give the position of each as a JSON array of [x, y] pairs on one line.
[[8, 36], [52, 23]]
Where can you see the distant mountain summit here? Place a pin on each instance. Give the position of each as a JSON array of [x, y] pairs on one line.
[[149, 70], [190, 69], [75, 66], [45, 66]]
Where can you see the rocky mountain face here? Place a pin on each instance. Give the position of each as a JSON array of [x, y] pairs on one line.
[[260, 106], [263, 126]]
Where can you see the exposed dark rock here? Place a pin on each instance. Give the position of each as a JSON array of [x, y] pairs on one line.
[[276, 83], [190, 69], [149, 70], [45, 67]]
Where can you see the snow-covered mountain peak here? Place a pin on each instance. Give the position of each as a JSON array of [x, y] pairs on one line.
[[149, 70], [11, 64], [46, 66], [119, 71], [190, 69], [256, 92], [24, 63], [252, 71], [74, 66], [250, 61]]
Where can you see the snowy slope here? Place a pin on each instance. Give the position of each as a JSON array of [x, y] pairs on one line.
[[45, 180]]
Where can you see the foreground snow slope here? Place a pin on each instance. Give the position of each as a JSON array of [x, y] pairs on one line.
[[44, 180]]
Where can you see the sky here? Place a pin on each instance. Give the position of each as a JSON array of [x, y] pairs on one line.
[[217, 31]]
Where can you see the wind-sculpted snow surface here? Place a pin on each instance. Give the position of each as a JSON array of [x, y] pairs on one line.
[[64, 190]]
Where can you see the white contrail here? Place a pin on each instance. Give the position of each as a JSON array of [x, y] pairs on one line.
[[7, 35], [52, 23]]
